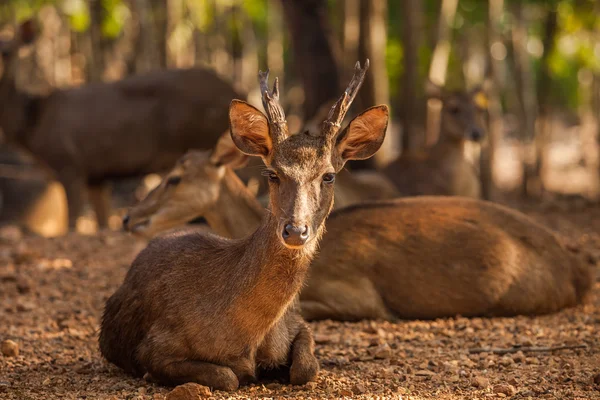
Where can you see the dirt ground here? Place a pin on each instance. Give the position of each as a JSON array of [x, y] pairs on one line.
[[52, 293]]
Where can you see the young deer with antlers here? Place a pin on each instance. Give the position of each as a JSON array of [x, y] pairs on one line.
[[102, 131], [426, 257], [197, 307], [443, 169]]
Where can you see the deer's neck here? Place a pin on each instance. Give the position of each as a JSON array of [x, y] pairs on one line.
[[275, 275], [20, 113], [237, 213], [448, 148]]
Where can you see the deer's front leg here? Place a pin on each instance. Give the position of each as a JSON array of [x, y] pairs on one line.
[[75, 185], [99, 195], [304, 366]]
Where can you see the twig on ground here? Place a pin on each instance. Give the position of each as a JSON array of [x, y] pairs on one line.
[[525, 349]]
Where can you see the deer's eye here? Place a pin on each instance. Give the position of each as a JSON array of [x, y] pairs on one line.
[[454, 110], [271, 175], [173, 181], [329, 178]]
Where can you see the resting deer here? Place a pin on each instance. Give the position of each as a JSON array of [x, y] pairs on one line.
[[426, 257], [443, 169], [103, 131], [197, 307]]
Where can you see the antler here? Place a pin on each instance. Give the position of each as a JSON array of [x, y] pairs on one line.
[[275, 113], [337, 113]]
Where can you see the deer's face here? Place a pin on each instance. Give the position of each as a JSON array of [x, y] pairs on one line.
[[462, 119], [190, 189], [301, 176], [301, 168]]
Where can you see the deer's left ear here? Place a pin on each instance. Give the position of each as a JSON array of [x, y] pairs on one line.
[[364, 135], [226, 153]]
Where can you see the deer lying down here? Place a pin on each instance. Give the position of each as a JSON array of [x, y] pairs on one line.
[[103, 131], [443, 169], [425, 257], [197, 307]]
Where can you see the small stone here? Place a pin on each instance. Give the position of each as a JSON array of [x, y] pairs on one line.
[[346, 393], [188, 391], [25, 306], [9, 348], [480, 382], [506, 361], [519, 356], [273, 386], [311, 385], [597, 379], [321, 338], [424, 372], [142, 391], [359, 389], [506, 389], [382, 351]]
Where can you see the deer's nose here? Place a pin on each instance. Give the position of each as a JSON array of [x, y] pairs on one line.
[[295, 235], [476, 134], [126, 222]]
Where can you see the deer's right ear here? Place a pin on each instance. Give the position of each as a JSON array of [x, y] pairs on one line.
[[249, 129], [433, 91], [27, 32]]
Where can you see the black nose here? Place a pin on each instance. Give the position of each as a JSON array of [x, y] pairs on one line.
[[295, 235], [476, 134], [125, 222]]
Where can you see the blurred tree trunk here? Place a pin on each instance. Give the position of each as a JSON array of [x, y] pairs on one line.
[[411, 38], [351, 31], [372, 45], [313, 51], [494, 111], [145, 55], [161, 21], [439, 67], [526, 94], [96, 56], [275, 40], [544, 88]]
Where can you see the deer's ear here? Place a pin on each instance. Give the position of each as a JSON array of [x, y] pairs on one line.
[[479, 97], [27, 32], [364, 135], [226, 153], [434, 91], [249, 129]]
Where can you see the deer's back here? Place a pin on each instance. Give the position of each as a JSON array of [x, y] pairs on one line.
[[137, 125], [425, 174], [432, 257]]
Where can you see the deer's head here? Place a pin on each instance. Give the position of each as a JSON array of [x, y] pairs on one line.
[[301, 167], [9, 51], [189, 189], [462, 115]]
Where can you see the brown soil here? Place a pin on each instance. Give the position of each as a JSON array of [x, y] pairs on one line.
[[52, 293]]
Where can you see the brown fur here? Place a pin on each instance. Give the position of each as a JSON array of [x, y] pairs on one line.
[[427, 257], [103, 131], [443, 169], [197, 307]]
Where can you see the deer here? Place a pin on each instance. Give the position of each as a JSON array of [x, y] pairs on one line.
[[442, 169], [196, 307], [102, 131], [410, 258]]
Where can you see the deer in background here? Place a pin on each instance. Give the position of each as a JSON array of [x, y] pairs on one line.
[[105, 131], [443, 169], [425, 257], [197, 307]]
